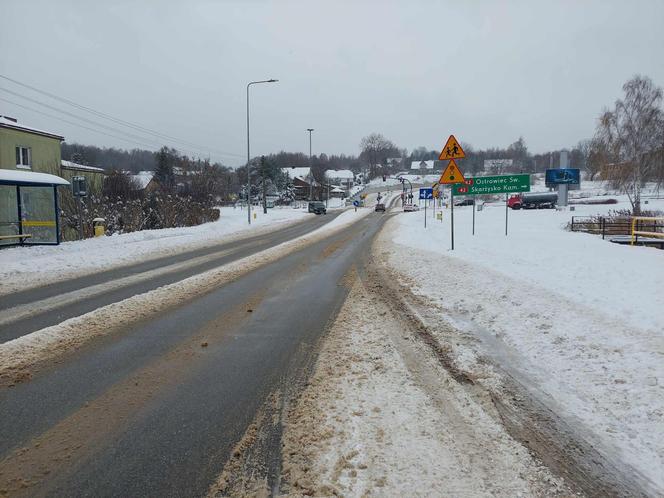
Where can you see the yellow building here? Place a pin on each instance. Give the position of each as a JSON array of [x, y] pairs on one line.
[[31, 170]]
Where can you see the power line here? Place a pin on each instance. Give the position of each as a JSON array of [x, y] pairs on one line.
[[75, 124], [118, 120], [56, 109]]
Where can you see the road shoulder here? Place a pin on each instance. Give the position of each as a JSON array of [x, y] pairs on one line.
[[380, 415]]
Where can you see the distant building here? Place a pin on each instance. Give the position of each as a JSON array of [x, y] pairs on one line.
[[145, 180], [394, 162], [421, 165], [343, 177], [294, 172], [94, 175]]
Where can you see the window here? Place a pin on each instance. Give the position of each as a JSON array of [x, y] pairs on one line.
[[23, 157]]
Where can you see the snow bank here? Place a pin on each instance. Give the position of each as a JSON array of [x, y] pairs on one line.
[[581, 318], [24, 267], [380, 416]]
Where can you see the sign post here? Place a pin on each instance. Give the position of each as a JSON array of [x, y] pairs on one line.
[[452, 215], [503, 184], [452, 174], [506, 212], [426, 194], [79, 190]]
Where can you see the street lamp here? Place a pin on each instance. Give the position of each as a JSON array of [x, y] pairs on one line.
[[248, 154], [311, 179]]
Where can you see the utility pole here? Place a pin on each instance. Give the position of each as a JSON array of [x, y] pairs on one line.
[[272, 80], [264, 185], [311, 176]]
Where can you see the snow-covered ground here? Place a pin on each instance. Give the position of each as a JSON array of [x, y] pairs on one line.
[[580, 317], [380, 417], [22, 267]]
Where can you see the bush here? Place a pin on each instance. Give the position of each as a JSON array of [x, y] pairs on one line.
[[123, 215]]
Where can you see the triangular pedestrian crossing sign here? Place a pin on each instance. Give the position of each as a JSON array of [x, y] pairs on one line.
[[452, 174], [452, 150]]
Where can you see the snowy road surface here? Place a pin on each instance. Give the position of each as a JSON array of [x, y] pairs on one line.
[[154, 407], [23, 312]]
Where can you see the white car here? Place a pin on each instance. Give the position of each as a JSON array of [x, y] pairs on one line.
[[410, 207]]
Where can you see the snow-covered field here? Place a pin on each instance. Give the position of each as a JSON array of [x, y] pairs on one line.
[[22, 267], [581, 318]]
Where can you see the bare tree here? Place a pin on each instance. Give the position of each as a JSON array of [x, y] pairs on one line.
[[632, 135], [375, 151]]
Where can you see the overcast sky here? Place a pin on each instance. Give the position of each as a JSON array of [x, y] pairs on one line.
[[414, 71]]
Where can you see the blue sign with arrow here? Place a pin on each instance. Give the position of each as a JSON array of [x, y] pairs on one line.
[[426, 193]]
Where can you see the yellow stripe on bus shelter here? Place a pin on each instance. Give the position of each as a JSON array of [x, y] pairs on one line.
[[38, 223]]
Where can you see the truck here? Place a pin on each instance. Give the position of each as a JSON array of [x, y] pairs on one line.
[[533, 200]]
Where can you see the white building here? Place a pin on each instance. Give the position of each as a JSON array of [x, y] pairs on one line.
[[421, 164], [343, 177]]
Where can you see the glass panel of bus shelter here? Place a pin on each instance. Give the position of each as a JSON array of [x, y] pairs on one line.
[[38, 214], [8, 214]]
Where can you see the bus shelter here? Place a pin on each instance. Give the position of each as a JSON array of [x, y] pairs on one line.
[[29, 213]]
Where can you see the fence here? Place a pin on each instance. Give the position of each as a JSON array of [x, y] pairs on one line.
[[632, 227], [638, 227]]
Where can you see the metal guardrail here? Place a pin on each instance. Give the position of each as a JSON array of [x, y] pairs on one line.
[[639, 230], [599, 225], [629, 226]]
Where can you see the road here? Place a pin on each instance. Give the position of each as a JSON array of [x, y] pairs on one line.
[[33, 309], [155, 409]]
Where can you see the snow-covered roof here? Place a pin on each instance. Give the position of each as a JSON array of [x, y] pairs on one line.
[[339, 174], [29, 177], [80, 167], [421, 165], [296, 172], [143, 178], [10, 123], [337, 190]]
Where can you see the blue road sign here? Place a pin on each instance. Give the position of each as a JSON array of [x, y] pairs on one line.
[[356, 203], [426, 193]]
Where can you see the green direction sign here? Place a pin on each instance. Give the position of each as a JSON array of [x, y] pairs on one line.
[[502, 184]]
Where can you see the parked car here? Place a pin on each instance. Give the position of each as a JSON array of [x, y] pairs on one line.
[[410, 207], [380, 207], [317, 207], [465, 202]]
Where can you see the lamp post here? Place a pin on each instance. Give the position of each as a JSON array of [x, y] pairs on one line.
[[311, 176], [248, 153]]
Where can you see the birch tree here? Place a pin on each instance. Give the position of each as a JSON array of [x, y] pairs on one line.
[[633, 134]]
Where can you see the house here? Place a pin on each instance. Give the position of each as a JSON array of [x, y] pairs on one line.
[[421, 165], [145, 180], [28, 149], [298, 172], [93, 175], [343, 177], [33, 150], [337, 191]]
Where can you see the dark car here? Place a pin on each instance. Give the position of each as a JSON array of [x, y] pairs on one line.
[[465, 202], [317, 208], [380, 207]]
